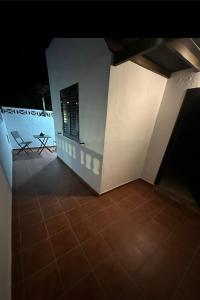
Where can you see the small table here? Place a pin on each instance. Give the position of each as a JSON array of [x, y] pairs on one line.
[[43, 140]]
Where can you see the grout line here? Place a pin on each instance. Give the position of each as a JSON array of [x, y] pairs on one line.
[[21, 253], [52, 248], [90, 265], [98, 232], [185, 272]]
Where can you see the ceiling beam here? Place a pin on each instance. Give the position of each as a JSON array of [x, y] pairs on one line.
[[187, 50], [148, 64], [138, 47]]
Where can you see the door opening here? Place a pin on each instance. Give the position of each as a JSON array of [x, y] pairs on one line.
[[179, 174]]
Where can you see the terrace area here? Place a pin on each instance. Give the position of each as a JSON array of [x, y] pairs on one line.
[[67, 243]]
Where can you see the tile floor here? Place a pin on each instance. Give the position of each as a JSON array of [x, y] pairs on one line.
[[68, 244]]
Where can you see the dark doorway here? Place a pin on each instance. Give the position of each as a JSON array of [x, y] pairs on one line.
[[179, 173]]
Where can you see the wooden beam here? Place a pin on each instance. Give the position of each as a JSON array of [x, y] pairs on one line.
[[147, 64], [187, 50], [139, 47]]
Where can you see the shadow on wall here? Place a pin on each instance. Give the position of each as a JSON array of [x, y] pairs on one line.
[[85, 162]]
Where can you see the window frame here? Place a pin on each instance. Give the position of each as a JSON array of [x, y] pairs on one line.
[[70, 92]]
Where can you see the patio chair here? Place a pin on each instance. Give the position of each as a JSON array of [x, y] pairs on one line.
[[20, 142]]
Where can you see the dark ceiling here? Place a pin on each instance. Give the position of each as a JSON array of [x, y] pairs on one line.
[[161, 55]]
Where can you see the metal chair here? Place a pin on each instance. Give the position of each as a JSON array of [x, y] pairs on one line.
[[22, 144]]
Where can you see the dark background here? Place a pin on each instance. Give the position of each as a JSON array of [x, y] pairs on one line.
[[23, 72], [27, 27]]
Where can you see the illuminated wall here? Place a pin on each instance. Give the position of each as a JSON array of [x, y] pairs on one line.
[[29, 122], [5, 211]]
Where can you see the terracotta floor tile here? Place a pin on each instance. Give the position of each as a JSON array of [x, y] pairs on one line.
[[186, 235], [145, 212], [105, 201], [15, 209], [15, 224], [63, 241], [190, 287], [178, 296], [84, 230], [31, 219], [149, 236], [160, 275], [44, 285], [84, 199], [115, 281], [16, 269], [120, 232], [28, 206], [52, 210], [195, 267], [148, 239], [167, 219], [87, 288], [33, 235], [92, 207], [47, 200], [18, 292], [73, 267], [76, 215], [131, 258], [127, 205], [68, 203], [106, 217], [97, 249], [119, 193], [16, 244], [37, 257], [57, 223]]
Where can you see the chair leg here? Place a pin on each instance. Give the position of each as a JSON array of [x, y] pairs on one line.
[[20, 150], [29, 148], [26, 151]]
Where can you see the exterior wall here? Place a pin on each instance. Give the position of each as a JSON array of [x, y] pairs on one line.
[[134, 98], [29, 122], [172, 100], [85, 162], [5, 150], [5, 211], [86, 61]]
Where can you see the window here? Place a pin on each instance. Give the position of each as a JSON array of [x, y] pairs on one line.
[[70, 111]]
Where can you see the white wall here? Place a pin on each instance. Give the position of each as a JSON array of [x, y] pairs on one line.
[[86, 61], [5, 150], [172, 100], [5, 212], [28, 122], [134, 98], [85, 162]]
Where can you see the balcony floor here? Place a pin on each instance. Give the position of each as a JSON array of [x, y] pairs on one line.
[[130, 243]]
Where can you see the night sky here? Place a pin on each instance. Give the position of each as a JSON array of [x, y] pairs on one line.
[[23, 68]]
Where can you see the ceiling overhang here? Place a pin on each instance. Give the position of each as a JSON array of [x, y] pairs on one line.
[[160, 55]]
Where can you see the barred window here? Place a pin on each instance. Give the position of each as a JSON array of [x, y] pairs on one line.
[[69, 98]]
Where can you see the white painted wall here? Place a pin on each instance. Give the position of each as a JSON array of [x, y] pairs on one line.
[[134, 98], [5, 212], [86, 61], [5, 150], [172, 100], [85, 162], [28, 123]]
